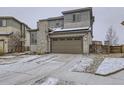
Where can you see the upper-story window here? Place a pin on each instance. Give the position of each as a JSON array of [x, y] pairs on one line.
[[58, 24], [2, 22], [76, 17]]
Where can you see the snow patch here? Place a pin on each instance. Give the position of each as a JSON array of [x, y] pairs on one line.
[[50, 81], [6, 57], [82, 66], [110, 65]]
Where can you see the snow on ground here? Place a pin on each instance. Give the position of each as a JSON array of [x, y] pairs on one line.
[[6, 57], [22, 59], [82, 66], [24, 71], [54, 81], [55, 69], [50, 81], [110, 65]]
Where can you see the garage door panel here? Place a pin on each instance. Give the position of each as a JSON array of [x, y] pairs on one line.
[[66, 46]]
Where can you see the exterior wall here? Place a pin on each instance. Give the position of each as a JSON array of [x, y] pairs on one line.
[[53, 23], [87, 40], [9, 29], [5, 38], [13, 23], [97, 42], [33, 48], [67, 35], [42, 37], [85, 20], [16, 27], [27, 39]]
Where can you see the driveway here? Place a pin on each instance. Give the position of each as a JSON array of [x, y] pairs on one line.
[[36, 69], [26, 69]]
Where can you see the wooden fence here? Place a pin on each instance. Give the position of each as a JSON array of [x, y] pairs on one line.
[[106, 49]]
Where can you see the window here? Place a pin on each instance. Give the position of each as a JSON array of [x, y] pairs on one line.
[[33, 38], [57, 24], [2, 22], [76, 17]]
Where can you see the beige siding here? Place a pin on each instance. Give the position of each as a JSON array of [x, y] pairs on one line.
[[13, 23], [33, 48], [53, 23], [42, 37], [5, 38], [27, 39], [87, 40], [84, 22]]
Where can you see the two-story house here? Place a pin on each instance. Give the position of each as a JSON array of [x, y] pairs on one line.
[[70, 33], [10, 26]]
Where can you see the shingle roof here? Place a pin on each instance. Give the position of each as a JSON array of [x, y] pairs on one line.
[[68, 29], [77, 10], [56, 30], [52, 18]]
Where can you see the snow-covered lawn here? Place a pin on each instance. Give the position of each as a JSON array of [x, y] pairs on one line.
[[53, 81], [110, 65], [82, 66], [6, 57]]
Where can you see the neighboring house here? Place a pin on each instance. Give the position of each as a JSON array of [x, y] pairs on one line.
[[97, 42], [33, 40], [106, 43], [10, 27], [70, 33]]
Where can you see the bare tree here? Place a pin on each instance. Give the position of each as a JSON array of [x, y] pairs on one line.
[[111, 37], [15, 41]]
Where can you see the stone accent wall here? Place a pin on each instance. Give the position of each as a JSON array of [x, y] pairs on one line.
[[42, 37], [86, 42]]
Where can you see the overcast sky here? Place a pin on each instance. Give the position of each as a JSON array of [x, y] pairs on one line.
[[104, 18]]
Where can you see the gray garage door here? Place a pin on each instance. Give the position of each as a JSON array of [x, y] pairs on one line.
[[66, 45]]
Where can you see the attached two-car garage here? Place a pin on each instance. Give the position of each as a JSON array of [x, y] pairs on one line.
[[67, 45]]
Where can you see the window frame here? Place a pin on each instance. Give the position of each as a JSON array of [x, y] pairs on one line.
[[76, 17], [3, 22]]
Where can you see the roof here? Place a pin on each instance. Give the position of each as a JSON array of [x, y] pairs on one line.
[[77, 10], [32, 30], [52, 18], [65, 12], [11, 17], [69, 29], [3, 33]]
